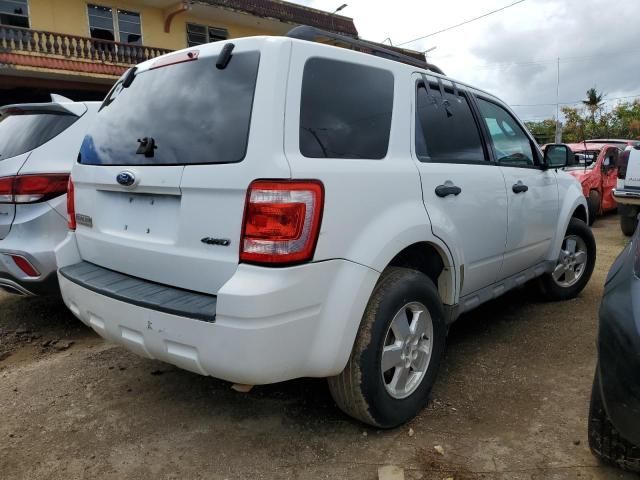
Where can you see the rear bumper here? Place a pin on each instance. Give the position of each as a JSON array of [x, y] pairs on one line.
[[36, 231], [628, 197], [270, 325]]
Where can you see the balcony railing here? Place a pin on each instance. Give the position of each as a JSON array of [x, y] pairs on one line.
[[24, 40]]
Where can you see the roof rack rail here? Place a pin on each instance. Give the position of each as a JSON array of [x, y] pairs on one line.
[[313, 34]]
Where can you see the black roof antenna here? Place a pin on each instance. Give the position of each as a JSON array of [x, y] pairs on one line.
[[313, 34]]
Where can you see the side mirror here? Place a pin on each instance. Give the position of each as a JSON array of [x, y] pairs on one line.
[[557, 155]]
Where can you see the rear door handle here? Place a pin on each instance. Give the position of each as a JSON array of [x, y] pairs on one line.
[[446, 190], [519, 188]]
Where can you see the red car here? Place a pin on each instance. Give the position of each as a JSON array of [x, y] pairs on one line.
[[596, 168]]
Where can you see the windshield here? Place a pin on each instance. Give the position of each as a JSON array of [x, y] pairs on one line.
[[21, 131], [585, 159], [186, 113]]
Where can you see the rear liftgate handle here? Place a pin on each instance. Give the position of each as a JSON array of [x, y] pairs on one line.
[[447, 189], [519, 187]]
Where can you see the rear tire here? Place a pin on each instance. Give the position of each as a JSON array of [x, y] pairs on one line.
[[593, 202], [370, 390], [604, 440], [628, 224], [578, 245]]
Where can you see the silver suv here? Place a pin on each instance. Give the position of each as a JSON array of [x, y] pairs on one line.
[[39, 143]]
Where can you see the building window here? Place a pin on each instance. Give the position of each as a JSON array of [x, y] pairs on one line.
[[199, 34], [103, 25], [14, 13], [129, 28]]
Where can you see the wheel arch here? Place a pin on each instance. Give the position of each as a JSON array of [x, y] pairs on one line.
[[581, 213], [434, 261], [573, 205]]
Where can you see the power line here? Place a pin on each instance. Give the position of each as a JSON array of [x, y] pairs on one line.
[[460, 24], [542, 61], [570, 103]]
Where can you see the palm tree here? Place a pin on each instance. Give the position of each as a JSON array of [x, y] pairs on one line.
[[593, 102]]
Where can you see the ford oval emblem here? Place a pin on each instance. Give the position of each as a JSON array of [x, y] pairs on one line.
[[126, 178]]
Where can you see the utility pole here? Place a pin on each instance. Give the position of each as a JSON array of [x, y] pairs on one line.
[[558, 126]]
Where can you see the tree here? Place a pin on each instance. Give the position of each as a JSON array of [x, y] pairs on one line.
[[579, 124], [544, 131], [593, 102]]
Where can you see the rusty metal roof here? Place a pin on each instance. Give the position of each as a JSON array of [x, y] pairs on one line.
[[290, 13]]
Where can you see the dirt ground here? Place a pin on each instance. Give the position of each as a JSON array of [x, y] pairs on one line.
[[511, 403]]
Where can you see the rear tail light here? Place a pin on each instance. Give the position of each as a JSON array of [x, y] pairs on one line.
[[6, 190], [281, 221], [71, 205], [623, 162], [24, 265], [32, 188]]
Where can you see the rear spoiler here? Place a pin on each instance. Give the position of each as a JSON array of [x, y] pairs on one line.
[[313, 34], [58, 104]]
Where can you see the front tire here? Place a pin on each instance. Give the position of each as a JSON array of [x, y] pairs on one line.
[[604, 440], [628, 224], [575, 263], [397, 352]]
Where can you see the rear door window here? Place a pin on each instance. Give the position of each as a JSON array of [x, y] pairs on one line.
[[21, 131], [345, 110], [446, 130], [184, 114]]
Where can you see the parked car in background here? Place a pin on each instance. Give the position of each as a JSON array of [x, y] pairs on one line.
[[627, 191], [620, 142], [614, 416], [39, 143], [595, 167], [254, 210]]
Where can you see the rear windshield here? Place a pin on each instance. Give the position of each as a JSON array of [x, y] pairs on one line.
[[21, 132], [183, 114]]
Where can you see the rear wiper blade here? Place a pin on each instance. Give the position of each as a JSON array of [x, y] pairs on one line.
[[225, 56]]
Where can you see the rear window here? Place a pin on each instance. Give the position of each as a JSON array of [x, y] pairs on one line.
[[185, 114], [345, 110], [21, 132]]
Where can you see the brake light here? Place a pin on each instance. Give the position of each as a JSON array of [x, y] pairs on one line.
[[281, 221], [6, 190], [32, 188], [24, 265], [71, 206], [623, 162]]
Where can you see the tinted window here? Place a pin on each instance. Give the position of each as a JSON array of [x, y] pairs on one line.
[[194, 112], [510, 142], [21, 133], [446, 132], [345, 110]]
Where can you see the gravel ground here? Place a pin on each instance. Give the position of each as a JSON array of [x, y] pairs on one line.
[[510, 403]]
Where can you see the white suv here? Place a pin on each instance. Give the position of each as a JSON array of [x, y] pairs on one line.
[[39, 144], [267, 208]]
